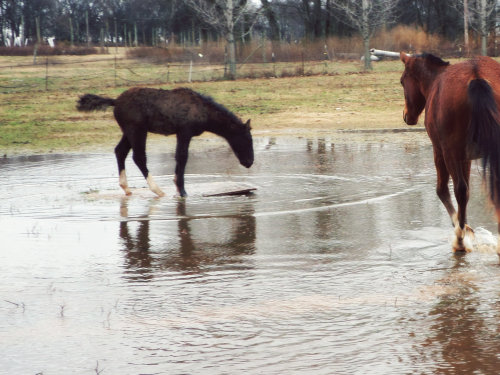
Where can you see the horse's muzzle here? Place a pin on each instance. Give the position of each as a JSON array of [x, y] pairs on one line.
[[409, 121], [247, 163]]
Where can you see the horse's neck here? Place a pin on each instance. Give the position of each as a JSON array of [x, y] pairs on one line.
[[428, 79], [220, 128]]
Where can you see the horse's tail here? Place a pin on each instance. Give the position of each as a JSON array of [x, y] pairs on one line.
[[91, 102], [484, 133]]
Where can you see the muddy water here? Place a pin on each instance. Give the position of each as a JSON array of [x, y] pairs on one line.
[[340, 262]]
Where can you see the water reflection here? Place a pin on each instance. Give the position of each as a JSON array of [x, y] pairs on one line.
[[464, 335], [191, 246]]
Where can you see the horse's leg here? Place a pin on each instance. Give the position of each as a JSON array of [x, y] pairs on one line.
[[181, 157], [121, 151], [139, 157], [442, 189], [460, 178]]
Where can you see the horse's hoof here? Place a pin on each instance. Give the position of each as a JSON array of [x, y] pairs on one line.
[[182, 193], [461, 250], [461, 246], [458, 246]]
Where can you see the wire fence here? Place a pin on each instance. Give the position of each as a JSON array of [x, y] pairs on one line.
[[72, 73]]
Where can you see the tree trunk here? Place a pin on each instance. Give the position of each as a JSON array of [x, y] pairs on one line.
[[38, 32], [482, 27], [466, 28], [308, 27], [136, 42], [274, 29], [71, 36], [317, 24], [365, 33], [87, 27], [366, 53], [231, 47], [328, 30]]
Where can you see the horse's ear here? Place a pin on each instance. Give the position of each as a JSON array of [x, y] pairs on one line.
[[247, 124], [404, 57]]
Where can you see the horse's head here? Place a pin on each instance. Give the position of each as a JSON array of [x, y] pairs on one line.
[[417, 78], [414, 99], [242, 144]]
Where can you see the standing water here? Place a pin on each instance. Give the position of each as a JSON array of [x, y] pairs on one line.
[[340, 262]]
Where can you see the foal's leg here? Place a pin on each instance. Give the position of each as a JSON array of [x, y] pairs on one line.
[[181, 157], [121, 151], [139, 157]]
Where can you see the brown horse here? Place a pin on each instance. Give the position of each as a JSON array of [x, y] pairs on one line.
[[461, 104], [181, 111]]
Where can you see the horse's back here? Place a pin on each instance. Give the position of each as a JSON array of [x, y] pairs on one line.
[[448, 103], [454, 81], [158, 111]]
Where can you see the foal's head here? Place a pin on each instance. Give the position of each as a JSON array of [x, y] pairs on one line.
[[419, 73], [241, 143]]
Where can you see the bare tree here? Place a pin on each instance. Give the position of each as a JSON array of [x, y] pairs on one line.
[[223, 15], [483, 11], [466, 27], [478, 15], [366, 16], [272, 19]]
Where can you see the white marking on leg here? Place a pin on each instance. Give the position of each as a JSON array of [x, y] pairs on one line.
[[152, 185], [458, 241], [464, 239], [123, 182]]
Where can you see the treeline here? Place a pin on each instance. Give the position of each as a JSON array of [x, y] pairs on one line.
[[152, 22], [470, 25]]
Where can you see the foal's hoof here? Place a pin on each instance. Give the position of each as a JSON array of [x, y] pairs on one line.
[[127, 192]]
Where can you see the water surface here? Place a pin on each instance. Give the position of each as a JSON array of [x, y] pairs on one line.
[[340, 262]]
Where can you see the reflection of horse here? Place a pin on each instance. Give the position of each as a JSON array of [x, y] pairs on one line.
[[458, 323], [194, 248], [461, 117], [182, 112]]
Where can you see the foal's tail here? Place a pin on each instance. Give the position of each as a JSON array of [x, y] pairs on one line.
[[91, 102], [484, 133]]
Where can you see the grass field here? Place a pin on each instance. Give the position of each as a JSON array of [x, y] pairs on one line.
[[37, 111]]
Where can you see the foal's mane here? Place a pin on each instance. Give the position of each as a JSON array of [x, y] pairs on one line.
[[219, 108]]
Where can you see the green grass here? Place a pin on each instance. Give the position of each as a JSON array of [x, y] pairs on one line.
[[39, 120]]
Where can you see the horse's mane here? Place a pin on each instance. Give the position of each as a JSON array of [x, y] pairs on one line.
[[216, 106], [433, 59]]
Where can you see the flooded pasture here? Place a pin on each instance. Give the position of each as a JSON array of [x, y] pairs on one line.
[[340, 262]]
